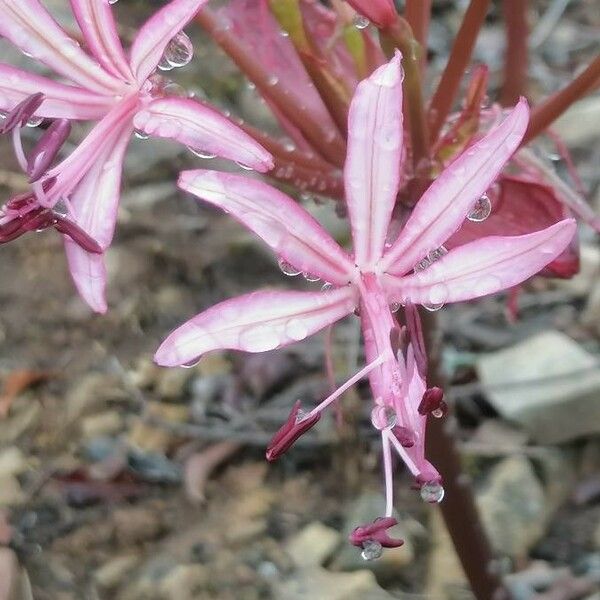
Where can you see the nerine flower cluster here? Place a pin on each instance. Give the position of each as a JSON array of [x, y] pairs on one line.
[[384, 272]]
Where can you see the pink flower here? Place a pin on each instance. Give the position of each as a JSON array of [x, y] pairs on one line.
[[122, 93], [379, 275]]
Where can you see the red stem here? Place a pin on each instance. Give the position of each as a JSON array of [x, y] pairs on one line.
[[544, 114], [418, 15], [517, 55], [459, 59], [332, 147]]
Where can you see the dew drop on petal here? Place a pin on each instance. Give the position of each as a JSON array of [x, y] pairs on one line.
[[310, 276], [383, 417], [34, 121], [178, 53], [273, 80], [327, 287], [432, 492], [361, 22], [141, 135], [202, 153], [287, 268], [243, 166], [481, 209], [191, 364], [395, 307], [112, 1], [371, 550], [438, 413], [296, 329], [259, 338]]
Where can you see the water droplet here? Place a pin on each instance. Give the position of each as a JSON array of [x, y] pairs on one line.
[[141, 135], [202, 153], [327, 287], [259, 338], [481, 209], [438, 413], [191, 364], [310, 276], [243, 166], [112, 1], [289, 146], [273, 80], [372, 550], [287, 268], [296, 329], [433, 255], [61, 209], [395, 307], [432, 492], [178, 53], [361, 22], [383, 417], [250, 85], [34, 121]]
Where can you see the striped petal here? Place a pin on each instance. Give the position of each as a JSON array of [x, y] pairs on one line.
[[284, 225], [60, 100], [482, 267], [444, 206], [375, 153], [29, 26], [255, 322], [203, 129], [95, 203], [155, 35], [95, 19]]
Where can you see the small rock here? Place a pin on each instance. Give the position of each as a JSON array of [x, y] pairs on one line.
[[313, 545], [137, 525], [111, 573], [512, 506], [548, 384], [12, 462], [104, 423], [11, 493], [315, 582], [184, 582], [445, 574]]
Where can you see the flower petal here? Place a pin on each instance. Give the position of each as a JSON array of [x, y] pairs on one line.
[[89, 275], [155, 35], [95, 203], [95, 19], [256, 322], [375, 153], [482, 267], [60, 100], [203, 129], [284, 225], [29, 26], [445, 205]]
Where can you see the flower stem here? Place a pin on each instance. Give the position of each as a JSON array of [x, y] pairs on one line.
[[459, 510], [418, 15], [515, 67], [332, 147], [460, 56], [400, 36], [543, 115]]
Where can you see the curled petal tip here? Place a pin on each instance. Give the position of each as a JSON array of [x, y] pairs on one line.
[[389, 74]]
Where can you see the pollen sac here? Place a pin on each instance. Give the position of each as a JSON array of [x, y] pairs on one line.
[[296, 425], [375, 533], [433, 403], [21, 113]]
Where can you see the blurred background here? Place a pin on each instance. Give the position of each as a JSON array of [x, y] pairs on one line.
[[120, 480]]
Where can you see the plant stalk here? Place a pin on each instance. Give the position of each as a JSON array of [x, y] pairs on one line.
[[517, 55]]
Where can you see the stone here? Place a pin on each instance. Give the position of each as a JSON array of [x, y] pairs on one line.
[[547, 384], [312, 545], [315, 582], [104, 423], [11, 493], [512, 506], [12, 462], [112, 572], [445, 575]]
